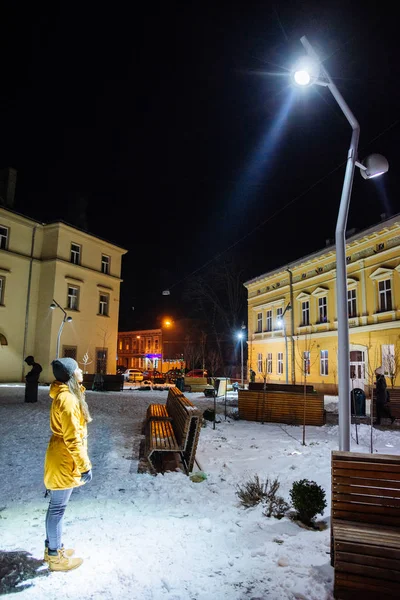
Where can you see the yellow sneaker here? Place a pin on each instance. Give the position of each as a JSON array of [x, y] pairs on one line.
[[61, 562], [67, 551]]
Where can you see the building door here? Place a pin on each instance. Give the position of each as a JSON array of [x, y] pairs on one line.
[[101, 361], [357, 369]]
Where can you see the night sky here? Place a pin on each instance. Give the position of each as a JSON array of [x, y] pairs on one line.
[[172, 130]]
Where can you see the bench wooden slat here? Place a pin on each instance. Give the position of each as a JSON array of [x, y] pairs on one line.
[[365, 525]]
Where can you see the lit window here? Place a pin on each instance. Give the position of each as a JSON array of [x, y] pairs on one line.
[[75, 254], [105, 264], [73, 298], [3, 237], [103, 304], [259, 322], [269, 363], [259, 362], [324, 362]]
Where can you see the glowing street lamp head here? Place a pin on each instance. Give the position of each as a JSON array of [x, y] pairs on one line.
[[240, 335], [68, 319], [53, 306], [279, 322], [306, 71], [375, 165]]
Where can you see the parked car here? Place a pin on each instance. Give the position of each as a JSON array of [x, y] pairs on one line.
[[197, 373], [133, 375], [173, 374]]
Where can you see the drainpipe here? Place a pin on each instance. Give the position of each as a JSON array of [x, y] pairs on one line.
[[292, 325], [28, 294]]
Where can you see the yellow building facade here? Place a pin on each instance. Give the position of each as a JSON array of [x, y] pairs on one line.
[[292, 314], [40, 263], [148, 349]]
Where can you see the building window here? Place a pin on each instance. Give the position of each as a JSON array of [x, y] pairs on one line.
[[352, 303], [259, 323], [101, 361], [73, 298], [104, 304], [156, 345], [269, 320], [322, 310], [269, 363], [3, 237], [385, 295], [259, 362], [105, 264], [324, 362], [389, 360], [306, 362], [279, 320], [120, 345], [70, 352], [127, 345], [75, 254], [280, 363], [305, 313], [2, 286]]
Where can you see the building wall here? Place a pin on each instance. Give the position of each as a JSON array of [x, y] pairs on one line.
[[28, 323], [136, 347], [373, 263]]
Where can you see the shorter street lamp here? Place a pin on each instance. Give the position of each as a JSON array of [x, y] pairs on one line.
[[281, 323], [241, 336], [66, 319]]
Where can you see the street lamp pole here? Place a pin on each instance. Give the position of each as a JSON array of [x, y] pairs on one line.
[[310, 72], [66, 319], [341, 265], [240, 336], [283, 323]]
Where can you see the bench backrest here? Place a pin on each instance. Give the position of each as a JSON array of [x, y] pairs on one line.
[[281, 407], [183, 412], [366, 488]]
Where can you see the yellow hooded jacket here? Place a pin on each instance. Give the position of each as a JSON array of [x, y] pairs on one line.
[[66, 456]]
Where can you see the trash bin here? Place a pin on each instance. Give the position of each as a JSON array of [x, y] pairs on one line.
[[358, 402], [180, 383]]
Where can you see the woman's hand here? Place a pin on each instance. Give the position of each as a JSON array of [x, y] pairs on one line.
[[87, 476]]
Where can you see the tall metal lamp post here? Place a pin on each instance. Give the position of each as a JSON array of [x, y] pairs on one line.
[[66, 319], [281, 323], [241, 336], [309, 70]]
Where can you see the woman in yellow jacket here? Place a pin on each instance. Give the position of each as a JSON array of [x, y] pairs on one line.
[[67, 463]]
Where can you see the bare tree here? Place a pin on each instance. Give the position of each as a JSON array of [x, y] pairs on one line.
[[391, 363], [214, 361], [192, 353], [305, 360], [86, 361], [104, 335]]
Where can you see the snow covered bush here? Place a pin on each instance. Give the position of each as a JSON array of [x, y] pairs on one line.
[[253, 492], [308, 499]]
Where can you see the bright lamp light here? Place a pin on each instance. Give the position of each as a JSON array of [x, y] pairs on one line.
[[305, 71], [240, 335], [375, 165]]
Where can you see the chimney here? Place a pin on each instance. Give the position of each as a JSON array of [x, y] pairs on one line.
[[383, 216], [8, 182]]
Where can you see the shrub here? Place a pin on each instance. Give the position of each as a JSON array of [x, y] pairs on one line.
[[253, 492], [308, 499]]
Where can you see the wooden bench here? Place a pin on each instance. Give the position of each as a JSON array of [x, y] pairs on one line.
[[281, 407], [365, 525], [174, 427], [394, 403]]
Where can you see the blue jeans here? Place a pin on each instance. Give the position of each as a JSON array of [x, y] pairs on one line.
[[55, 516]]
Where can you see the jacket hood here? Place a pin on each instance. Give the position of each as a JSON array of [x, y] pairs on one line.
[[56, 388]]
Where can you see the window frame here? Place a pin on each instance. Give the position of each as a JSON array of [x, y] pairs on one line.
[[259, 362], [306, 362], [76, 253], [322, 309], [101, 312], [350, 301], [106, 264], [305, 311], [324, 363], [279, 363], [387, 292], [268, 320], [69, 297], [269, 363], [259, 322], [2, 289], [5, 237]]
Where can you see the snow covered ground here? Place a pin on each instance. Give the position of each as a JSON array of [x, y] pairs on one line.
[[165, 537]]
